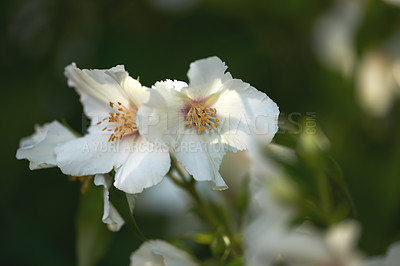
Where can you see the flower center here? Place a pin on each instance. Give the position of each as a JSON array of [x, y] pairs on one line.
[[202, 117], [123, 122]]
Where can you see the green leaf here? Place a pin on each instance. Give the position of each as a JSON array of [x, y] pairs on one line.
[[93, 237], [335, 174], [120, 202], [239, 261]]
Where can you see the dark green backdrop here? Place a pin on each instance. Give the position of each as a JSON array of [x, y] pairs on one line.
[[266, 43]]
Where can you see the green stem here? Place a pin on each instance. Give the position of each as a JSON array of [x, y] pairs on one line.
[[205, 213], [189, 188], [324, 195], [120, 202], [175, 179], [175, 165]]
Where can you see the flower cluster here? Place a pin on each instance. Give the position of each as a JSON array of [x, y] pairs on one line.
[[139, 135], [135, 130]]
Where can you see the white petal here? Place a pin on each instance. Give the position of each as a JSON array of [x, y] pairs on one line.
[[375, 83], [268, 238], [391, 258], [244, 113], [165, 199], [299, 247], [38, 136], [145, 256], [135, 91], [206, 77], [97, 88], [39, 148], [146, 166], [201, 158], [374, 261], [110, 214], [343, 237], [160, 119], [236, 167], [160, 253], [92, 154], [393, 2], [334, 36]]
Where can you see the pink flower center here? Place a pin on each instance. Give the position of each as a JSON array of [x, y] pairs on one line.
[[201, 116]]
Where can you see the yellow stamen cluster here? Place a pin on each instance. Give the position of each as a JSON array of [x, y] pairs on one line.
[[202, 117], [123, 122]]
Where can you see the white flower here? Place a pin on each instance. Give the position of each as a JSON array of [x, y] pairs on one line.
[[392, 257], [111, 217], [160, 253], [376, 84], [164, 199], [235, 166], [269, 237], [110, 99], [341, 240], [334, 35], [39, 148], [393, 2], [201, 120]]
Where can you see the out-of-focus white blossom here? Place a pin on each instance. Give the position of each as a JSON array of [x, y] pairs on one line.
[[164, 199], [160, 253], [269, 239], [340, 240], [377, 81], [334, 35], [234, 168], [268, 172], [392, 257], [393, 2], [269, 236]]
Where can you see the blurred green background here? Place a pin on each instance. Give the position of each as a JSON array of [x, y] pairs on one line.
[[271, 44]]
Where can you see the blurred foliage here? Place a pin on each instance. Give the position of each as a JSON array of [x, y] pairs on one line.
[[92, 236], [266, 43], [321, 194]]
